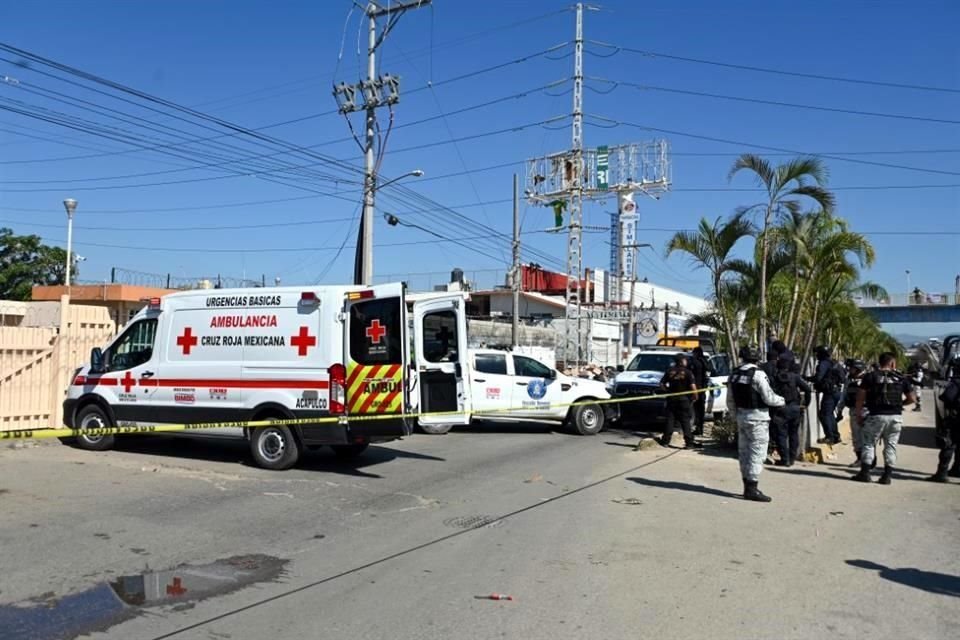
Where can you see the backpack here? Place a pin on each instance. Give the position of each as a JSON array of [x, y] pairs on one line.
[[837, 376]]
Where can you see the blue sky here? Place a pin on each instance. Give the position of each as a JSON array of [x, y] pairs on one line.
[[259, 63]]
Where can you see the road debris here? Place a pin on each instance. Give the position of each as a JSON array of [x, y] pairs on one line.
[[634, 501], [495, 596]]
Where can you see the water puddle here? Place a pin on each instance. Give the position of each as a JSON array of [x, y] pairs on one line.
[[104, 605]]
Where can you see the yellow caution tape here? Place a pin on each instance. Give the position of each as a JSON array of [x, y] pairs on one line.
[[42, 433]]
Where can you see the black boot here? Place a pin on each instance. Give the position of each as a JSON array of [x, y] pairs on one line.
[[887, 474], [864, 475], [940, 475], [752, 492]]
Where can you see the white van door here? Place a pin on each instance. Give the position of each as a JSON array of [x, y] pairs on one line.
[[440, 345], [129, 382], [376, 355]]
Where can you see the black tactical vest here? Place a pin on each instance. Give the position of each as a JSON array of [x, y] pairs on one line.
[[885, 392], [741, 386], [785, 384]]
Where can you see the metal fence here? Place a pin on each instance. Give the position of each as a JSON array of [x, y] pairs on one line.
[[119, 275]]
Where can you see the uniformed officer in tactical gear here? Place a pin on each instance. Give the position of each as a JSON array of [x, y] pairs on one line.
[[702, 370], [785, 421], [829, 381], [855, 371], [883, 393], [749, 399], [948, 431], [678, 379]]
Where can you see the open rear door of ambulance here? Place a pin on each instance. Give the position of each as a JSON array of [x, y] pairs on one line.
[[440, 345], [376, 357]]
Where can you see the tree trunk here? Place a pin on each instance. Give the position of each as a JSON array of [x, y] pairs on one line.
[[765, 244], [788, 332], [725, 318]]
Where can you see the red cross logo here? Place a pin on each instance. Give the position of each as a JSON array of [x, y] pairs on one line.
[[376, 331], [176, 589], [128, 382], [187, 341], [303, 341]]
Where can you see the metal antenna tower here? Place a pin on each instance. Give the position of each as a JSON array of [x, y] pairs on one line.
[[564, 180]]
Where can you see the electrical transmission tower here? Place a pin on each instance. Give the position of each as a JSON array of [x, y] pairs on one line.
[[564, 180]]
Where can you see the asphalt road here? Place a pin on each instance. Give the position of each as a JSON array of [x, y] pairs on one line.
[[591, 538]]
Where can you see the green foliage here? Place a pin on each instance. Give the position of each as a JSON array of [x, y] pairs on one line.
[[724, 431], [26, 261], [803, 277]]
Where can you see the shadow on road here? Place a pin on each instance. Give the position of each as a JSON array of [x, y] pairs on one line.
[[237, 452], [850, 471], [918, 437], [683, 486], [930, 581]]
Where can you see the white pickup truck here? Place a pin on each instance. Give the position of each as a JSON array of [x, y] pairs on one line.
[[509, 387]]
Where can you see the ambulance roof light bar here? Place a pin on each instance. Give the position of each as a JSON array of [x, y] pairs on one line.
[[366, 294], [308, 297], [152, 302]]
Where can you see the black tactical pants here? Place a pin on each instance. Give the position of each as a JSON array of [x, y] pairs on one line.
[[679, 416], [785, 424]]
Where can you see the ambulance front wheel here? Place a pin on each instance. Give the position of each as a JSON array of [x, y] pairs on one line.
[[436, 429], [93, 417], [587, 419], [274, 447]]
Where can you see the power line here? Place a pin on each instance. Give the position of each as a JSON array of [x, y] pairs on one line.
[[796, 74], [776, 103], [866, 233], [258, 173], [771, 148], [429, 85], [515, 96], [269, 225]]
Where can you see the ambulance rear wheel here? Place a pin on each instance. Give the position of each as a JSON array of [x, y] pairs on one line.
[[93, 417], [587, 419], [436, 429], [274, 447], [349, 451]]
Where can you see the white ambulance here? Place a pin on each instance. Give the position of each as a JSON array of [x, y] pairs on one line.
[[238, 355]]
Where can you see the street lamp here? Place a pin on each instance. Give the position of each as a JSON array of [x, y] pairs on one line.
[[70, 205], [363, 265]]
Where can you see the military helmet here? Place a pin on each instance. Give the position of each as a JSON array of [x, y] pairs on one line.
[[749, 353], [679, 358], [856, 364], [823, 352]]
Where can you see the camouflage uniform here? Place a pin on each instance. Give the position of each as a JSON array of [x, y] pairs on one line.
[[753, 425], [875, 427]]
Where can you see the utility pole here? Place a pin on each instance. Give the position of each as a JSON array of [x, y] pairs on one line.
[[574, 335], [517, 279], [371, 91]]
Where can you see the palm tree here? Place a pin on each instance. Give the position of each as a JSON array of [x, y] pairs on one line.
[[709, 247], [785, 185]]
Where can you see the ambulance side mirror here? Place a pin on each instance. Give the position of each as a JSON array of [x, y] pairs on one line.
[[96, 360], [552, 375], [620, 368]]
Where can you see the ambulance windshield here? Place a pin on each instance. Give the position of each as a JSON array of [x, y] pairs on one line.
[[375, 332]]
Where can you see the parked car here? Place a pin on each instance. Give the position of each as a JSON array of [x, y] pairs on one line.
[[641, 379], [510, 387]]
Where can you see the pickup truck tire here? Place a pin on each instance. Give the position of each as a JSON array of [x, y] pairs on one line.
[[587, 419], [348, 451], [93, 417], [274, 447], [435, 429]]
